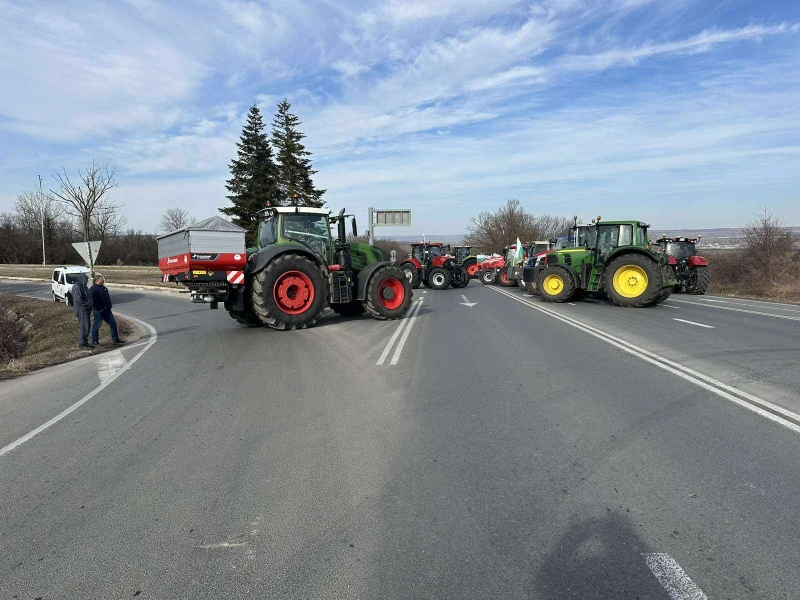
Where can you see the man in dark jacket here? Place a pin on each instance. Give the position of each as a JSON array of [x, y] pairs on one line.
[[82, 305], [101, 305]]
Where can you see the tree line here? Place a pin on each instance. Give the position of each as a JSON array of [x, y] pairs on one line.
[[492, 231]]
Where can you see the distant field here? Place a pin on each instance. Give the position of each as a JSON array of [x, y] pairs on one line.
[[129, 275]]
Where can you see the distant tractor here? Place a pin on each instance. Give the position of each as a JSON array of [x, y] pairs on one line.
[[430, 264], [491, 266], [620, 262], [691, 270], [514, 266], [296, 271], [581, 236], [467, 260]]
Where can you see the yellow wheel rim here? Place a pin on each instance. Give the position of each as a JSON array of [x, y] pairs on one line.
[[552, 285], [630, 281]]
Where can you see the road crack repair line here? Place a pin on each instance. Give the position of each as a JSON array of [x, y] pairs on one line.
[[670, 575], [404, 328], [744, 399]]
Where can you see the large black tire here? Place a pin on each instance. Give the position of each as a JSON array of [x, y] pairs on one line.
[[487, 277], [459, 279], [530, 287], [388, 294], [555, 284], [289, 293], [438, 278], [249, 319], [666, 292], [412, 274], [701, 281], [503, 279], [353, 309], [633, 281], [471, 267]]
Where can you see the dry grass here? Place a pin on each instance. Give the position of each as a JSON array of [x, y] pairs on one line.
[[52, 337], [734, 273], [130, 275]]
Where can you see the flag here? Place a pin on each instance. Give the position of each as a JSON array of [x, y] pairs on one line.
[[520, 250]]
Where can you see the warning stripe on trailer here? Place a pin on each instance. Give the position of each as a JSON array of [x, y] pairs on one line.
[[236, 276]]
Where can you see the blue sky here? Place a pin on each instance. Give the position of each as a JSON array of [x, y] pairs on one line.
[[682, 113]]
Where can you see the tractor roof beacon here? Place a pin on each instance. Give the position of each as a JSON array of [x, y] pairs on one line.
[[299, 268], [617, 258]]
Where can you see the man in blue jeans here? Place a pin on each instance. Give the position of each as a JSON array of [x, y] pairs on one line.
[[101, 311]]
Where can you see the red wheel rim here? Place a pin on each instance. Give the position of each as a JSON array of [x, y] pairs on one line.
[[504, 277], [293, 292], [398, 293], [472, 269]]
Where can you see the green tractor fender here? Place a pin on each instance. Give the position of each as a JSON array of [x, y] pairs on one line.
[[365, 274], [257, 261]]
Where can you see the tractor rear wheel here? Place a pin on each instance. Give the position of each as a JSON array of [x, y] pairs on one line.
[[666, 292], [249, 319], [438, 278], [412, 274], [700, 282], [633, 281], [471, 267], [503, 279], [388, 294], [289, 293], [351, 309], [555, 284], [487, 277]]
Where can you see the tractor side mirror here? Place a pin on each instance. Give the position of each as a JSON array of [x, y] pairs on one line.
[[355, 228]]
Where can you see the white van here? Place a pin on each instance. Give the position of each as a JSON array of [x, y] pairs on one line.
[[63, 280]]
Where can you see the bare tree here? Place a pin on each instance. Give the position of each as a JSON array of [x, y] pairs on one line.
[[88, 198], [491, 231], [108, 222], [174, 218], [770, 247]]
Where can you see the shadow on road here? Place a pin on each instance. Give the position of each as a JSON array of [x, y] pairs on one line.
[[124, 297], [597, 559]]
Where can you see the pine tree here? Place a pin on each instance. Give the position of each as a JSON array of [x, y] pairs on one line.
[[253, 183], [294, 166]]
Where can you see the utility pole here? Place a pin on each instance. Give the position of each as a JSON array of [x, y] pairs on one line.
[[41, 205]]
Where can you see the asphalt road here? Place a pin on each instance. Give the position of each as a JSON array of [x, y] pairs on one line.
[[507, 449]]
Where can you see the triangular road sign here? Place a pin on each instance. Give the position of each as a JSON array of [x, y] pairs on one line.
[[82, 248]]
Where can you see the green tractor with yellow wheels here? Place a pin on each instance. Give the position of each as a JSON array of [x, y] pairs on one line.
[[618, 260], [299, 268]]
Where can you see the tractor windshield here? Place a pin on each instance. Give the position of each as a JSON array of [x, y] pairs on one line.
[[268, 232], [586, 237], [435, 250], [537, 248], [613, 236], [311, 230], [416, 252], [681, 250]]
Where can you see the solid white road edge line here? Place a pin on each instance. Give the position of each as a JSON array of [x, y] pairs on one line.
[[734, 300], [674, 579], [778, 307], [693, 323], [741, 310], [403, 339], [744, 399], [396, 334], [90, 395]]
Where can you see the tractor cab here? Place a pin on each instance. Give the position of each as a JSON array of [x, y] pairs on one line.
[[462, 253], [681, 248], [690, 269], [431, 264]]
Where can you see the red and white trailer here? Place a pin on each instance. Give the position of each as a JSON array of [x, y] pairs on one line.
[[206, 257]]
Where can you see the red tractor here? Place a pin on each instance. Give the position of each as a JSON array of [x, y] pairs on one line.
[[491, 267], [430, 265], [691, 270]]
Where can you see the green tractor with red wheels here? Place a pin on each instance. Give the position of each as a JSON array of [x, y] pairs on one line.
[[618, 260], [299, 268]]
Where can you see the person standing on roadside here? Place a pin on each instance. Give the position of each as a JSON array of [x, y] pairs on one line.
[[82, 305], [101, 305]]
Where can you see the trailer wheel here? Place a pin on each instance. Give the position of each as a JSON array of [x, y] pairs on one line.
[[351, 309], [701, 281], [633, 281], [388, 294], [438, 278], [555, 284], [289, 293], [411, 273], [487, 277]]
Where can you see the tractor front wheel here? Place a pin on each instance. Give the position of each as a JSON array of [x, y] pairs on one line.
[[503, 279], [471, 267], [700, 281], [633, 281], [487, 277], [289, 293], [555, 284], [459, 279], [438, 278], [388, 294], [412, 274]]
